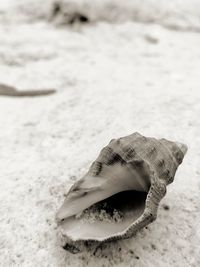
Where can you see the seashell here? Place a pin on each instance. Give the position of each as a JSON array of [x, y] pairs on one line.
[[128, 179], [7, 90]]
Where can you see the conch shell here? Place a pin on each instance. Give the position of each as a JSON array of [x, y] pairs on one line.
[[131, 173]]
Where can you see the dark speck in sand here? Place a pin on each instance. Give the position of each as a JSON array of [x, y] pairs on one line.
[[165, 207], [76, 17]]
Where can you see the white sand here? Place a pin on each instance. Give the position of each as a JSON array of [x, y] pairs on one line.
[[111, 81]]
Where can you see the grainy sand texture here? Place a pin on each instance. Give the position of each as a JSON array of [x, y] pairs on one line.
[[131, 67]]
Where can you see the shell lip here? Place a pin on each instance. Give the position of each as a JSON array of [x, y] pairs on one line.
[[96, 239], [71, 223], [133, 223], [105, 237]]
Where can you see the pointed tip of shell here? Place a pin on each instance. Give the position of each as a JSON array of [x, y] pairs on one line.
[[182, 147]]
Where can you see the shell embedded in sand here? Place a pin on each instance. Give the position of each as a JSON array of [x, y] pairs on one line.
[[121, 192], [7, 90]]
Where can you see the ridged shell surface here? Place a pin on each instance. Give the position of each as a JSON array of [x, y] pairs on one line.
[[143, 154]]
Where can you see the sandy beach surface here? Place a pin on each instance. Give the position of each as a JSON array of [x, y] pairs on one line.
[[112, 79]]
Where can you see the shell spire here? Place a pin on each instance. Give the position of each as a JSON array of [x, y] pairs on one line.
[[137, 167]]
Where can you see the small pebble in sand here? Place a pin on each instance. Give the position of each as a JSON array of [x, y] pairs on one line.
[[165, 207], [151, 39]]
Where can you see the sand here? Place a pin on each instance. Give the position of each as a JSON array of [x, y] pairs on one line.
[[112, 79], [100, 213]]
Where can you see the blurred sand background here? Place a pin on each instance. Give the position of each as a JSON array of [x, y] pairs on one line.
[[133, 66]]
